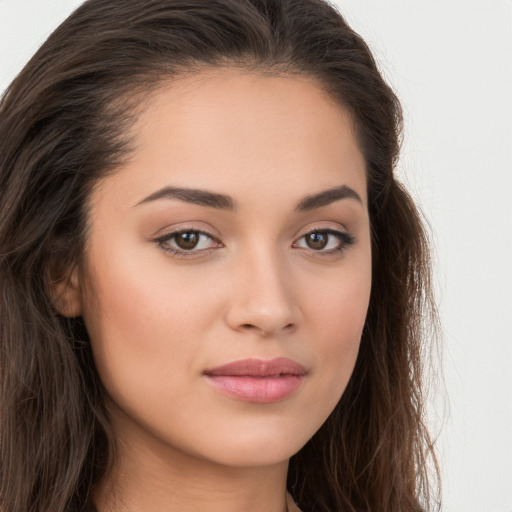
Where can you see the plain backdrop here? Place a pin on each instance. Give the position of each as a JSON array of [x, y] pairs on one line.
[[450, 61]]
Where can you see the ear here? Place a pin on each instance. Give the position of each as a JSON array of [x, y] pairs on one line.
[[67, 293]]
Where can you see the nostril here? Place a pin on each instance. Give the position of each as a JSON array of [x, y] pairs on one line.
[[264, 332], [254, 327]]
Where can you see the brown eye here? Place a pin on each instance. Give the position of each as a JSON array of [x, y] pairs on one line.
[[317, 240], [187, 240], [325, 241]]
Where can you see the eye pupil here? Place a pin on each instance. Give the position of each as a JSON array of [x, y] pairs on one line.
[[187, 240], [316, 240]]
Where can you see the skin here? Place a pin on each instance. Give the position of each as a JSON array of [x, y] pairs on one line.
[[255, 289]]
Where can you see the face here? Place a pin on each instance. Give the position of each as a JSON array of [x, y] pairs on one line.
[[228, 268]]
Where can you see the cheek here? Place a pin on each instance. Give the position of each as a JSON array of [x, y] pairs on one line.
[[144, 328], [337, 315]]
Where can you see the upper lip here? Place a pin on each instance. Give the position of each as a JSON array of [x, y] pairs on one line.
[[258, 368]]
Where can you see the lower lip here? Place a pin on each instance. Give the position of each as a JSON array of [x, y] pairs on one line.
[[261, 390]]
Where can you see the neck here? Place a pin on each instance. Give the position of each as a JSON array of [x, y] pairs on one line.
[[156, 487], [150, 477]]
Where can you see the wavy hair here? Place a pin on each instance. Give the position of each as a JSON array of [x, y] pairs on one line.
[[63, 125]]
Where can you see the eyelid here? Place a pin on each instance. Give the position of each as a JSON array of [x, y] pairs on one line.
[[170, 234]]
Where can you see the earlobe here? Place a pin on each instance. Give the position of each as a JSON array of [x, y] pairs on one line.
[[67, 295]]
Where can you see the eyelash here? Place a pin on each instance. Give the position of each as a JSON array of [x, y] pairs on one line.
[[345, 240]]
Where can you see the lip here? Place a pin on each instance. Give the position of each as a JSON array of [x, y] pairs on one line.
[[257, 380]]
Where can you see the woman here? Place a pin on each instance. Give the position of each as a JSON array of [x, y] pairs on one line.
[[212, 285]]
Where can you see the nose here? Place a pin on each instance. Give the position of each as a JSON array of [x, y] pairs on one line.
[[263, 297]]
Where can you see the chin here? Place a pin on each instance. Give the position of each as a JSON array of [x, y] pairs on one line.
[[261, 445]]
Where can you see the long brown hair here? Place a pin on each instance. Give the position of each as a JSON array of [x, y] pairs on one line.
[[63, 125]]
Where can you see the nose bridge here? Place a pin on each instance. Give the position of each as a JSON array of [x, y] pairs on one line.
[[263, 297]]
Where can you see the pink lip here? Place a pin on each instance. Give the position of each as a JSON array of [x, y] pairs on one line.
[[256, 380]]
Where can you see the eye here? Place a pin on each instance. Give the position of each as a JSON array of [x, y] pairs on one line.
[[325, 241], [187, 242]]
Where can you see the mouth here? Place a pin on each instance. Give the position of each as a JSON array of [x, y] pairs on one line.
[[256, 380]]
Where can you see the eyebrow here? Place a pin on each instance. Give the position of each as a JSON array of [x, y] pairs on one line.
[[224, 202], [194, 196], [327, 197]]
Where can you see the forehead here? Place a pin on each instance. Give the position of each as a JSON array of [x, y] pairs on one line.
[[227, 127]]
